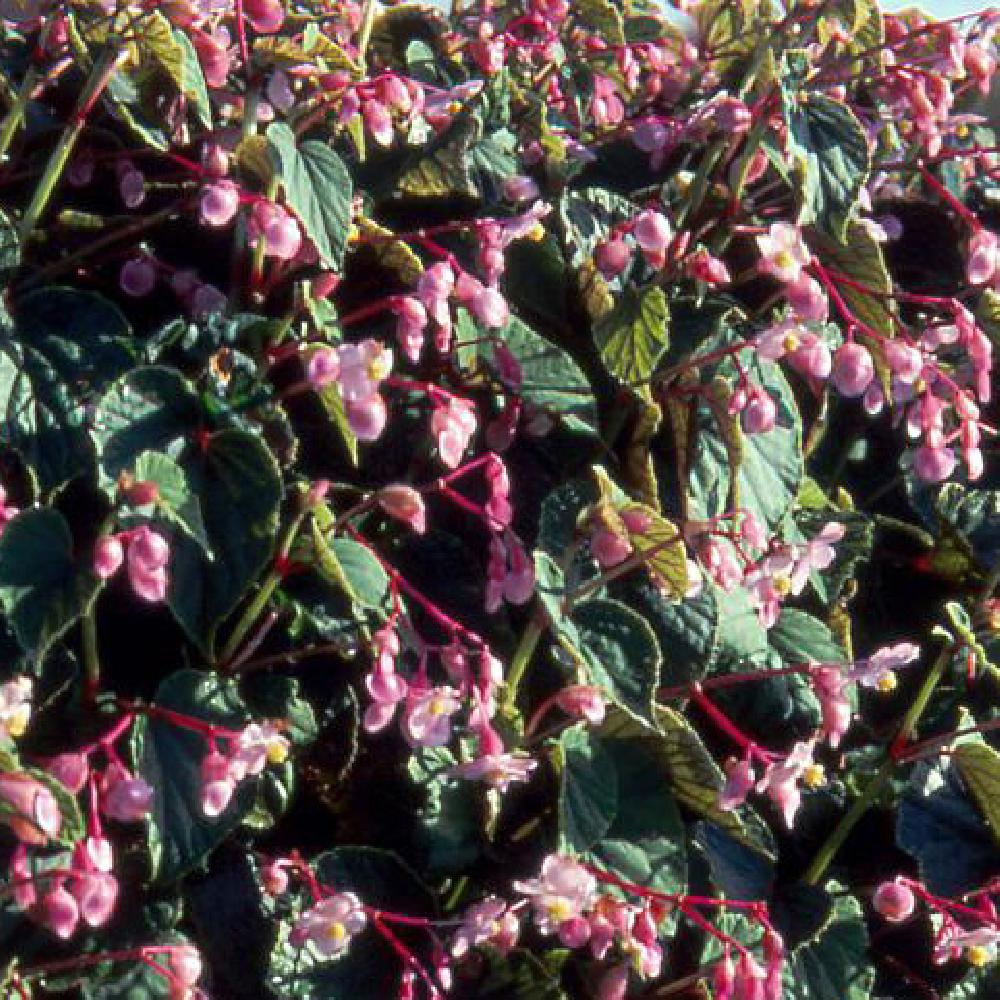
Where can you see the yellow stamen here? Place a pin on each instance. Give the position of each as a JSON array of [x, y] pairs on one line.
[[814, 776], [18, 722], [887, 682], [337, 933], [782, 585], [277, 752], [979, 955], [784, 259], [559, 910], [791, 341]]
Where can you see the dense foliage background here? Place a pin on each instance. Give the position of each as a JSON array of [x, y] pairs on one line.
[[498, 503]]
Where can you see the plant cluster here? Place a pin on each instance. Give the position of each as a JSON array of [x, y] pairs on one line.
[[496, 502]]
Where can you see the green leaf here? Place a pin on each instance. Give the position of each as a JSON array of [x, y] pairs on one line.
[[979, 766], [550, 379], [798, 637], [661, 544], [633, 337], [66, 344], [771, 465], [834, 965], [939, 826], [615, 804], [976, 984], [518, 974], [169, 757], [176, 501], [620, 651], [239, 484], [588, 216], [603, 17], [858, 257], [150, 409], [687, 631], [349, 565], [830, 151], [317, 188], [561, 511], [588, 789], [738, 871], [43, 590]]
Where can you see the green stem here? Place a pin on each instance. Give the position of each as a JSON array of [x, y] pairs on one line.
[[99, 77], [365, 32], [268, 586], [522, 657], [91, 657], [833, 843], [15, 114]]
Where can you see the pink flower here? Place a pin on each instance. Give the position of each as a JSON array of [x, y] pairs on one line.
[[830, 686], [219, 203], [807, 351], [124, 797], [266, 16], [494, 766], [137, 277], [148, 554], [274, 878], [59, 912], [109, 554], [583, 701], [427, 716], [934, 465], [330, 924], [30, 809], [760, 413], [490, 308], [411, 321], [510, 574], [783, 254], [807, 299], [279, 230], [894, 901], [367, 418], [96, 893], [217, 786], [653, 234], [853, 370], [405, 504], [70, 769], [702, 266], [782, 778], [186, 965], [606, 107], [739, 782], [453, 423], [487, 922], [906, 361], [720, 562], [214, 55], [983, 257], [363, 368], [874, 671], [434, 288], [612, 257], [323, 367], [498, 505], [563, 892]]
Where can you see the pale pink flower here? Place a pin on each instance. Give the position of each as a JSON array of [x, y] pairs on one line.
[[606, 106], [185, 963], [411, 321], [427, 716], [739, 782], [494, 766], [109, 554], [217, 786], [279, 230], [453, 423], [15, 707], [146, 562], [612, 257], [782, 779], [322, 367], [853, 370], [984, 253], [30, 809], [563, 892], [652, 233], [830, 686], [258, 744], [583, 701], [434, 288], [219, 203], [783, 253], [807, 299], [330, 924], [363, 368], [905, 360], [487, 922], [759, 414], [367, 418], [405, 504], [934, 465], [873, 671], [703, 266]]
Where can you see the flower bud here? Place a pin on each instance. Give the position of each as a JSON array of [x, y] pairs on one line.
[[108, 556], [405, 504], [853, 370], [894, 901]]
